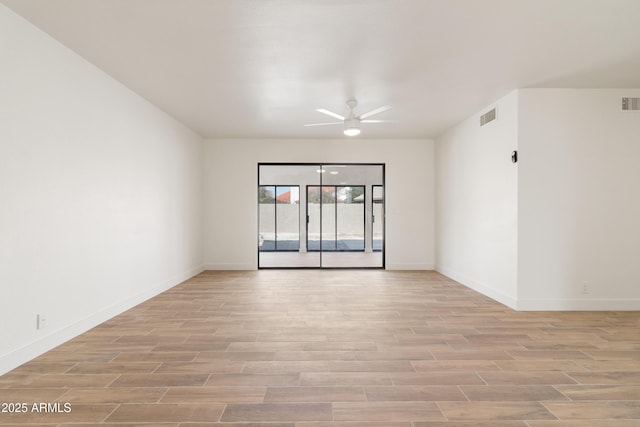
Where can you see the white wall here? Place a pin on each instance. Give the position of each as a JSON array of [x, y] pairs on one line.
[[231, 179], [579, 200], [476, 202], [100, 195], [559, 231]]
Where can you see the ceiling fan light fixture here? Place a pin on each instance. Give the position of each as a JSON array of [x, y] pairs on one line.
[[351, 127], [352, 131]]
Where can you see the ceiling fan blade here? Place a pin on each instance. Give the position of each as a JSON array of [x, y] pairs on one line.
[[374, 112], [322, 124], [378, 121], [330, 113]]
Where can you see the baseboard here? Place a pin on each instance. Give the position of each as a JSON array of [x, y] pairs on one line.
[[235, 266], [396, 266], [579, 304], [478, 287], [32, 350], [545, 304]]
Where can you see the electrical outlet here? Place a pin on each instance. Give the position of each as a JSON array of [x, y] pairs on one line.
[[585, 287], [41, 321]]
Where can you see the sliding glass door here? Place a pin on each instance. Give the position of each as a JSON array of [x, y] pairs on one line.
[[321, 215]]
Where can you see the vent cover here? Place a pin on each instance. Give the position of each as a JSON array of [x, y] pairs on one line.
[[488, 117], [630, 104]]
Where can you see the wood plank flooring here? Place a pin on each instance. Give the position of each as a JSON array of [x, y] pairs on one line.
[[341, 348]]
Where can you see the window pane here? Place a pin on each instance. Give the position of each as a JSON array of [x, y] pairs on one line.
[[287, 218], [350, 218], [328, 219], [313, 211], [267, 212], [378, 217]]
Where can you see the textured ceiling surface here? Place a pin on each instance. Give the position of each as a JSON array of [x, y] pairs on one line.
[[260, 68]]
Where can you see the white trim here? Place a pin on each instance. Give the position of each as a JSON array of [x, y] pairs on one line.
[[30, 351], [479, 287], [397, 266], [580, 304], [545, 304], [242, 266], [234, 266]]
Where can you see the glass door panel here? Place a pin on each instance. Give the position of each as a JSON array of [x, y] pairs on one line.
[[328, 231], [350, 220], [377, 218], [287, 218], [313, 218], [353, 216], [267, 215], [282, 227]]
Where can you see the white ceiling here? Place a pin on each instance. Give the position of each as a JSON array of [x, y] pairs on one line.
[[260, 68]]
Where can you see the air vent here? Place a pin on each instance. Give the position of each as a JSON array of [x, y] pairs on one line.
[[488, 117], [630, 104]]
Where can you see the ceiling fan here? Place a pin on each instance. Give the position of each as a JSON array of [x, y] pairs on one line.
[[352, 122]]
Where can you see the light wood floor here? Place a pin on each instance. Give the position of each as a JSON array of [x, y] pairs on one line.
[[338, 348]]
